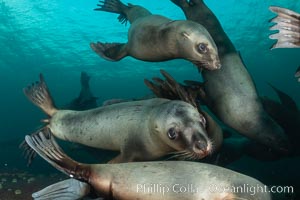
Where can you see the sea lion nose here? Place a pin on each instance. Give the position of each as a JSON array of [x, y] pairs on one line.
[[217, 64], [202, 145]]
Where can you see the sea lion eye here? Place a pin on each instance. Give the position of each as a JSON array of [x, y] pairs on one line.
[[203, 121], [202, 48], [172, 134]]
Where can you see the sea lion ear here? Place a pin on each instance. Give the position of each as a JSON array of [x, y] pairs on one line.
[[185, 34]]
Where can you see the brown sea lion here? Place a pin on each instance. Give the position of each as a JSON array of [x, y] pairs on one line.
[[157, 38], [287, 22], [167, 180], [287, 114], [140, 130], [230, 92]]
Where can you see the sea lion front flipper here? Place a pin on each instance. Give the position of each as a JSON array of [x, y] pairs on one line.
[[287, 23], [110, 51], [63, 190], [285, 99], [171, 89]]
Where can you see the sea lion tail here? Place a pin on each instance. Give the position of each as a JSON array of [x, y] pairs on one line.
[[67, 189], [287, 23], [114, 6], [48, 149], [39, 95]]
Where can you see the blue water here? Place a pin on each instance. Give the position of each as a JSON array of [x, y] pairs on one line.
[[52, 37]]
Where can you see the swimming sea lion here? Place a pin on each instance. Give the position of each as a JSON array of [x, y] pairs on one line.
[[157, 38], [167, 180], [86, 100], [230, 92], [287, 22], [140, 130], [287, 114]]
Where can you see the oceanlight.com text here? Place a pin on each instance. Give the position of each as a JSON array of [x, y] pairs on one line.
[[250, 189]]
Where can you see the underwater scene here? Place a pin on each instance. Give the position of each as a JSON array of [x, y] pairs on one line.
[[152, 100]]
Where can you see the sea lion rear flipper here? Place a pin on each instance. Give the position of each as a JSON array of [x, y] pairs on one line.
[[39, 95], [285, 99], [110, 51], [287, 23], [67, 189], [48, 149], [114, 6], [28, 152]]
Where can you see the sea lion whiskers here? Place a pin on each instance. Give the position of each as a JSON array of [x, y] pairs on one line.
[[179, 155], [185, 155]]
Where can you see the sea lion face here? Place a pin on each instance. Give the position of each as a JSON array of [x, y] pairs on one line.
[[197, 46], [182, 128]]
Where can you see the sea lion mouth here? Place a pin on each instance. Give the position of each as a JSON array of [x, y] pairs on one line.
[[192, 153], [200, 153], [207, 65], [202, 64]]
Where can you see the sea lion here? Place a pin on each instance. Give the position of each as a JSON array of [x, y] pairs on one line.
[[167, 180], [287, 114], [157, 38], [86, 100], [140, 130], [230, 92], [287, 22]]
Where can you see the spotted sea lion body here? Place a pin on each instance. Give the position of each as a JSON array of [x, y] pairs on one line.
[[140, 130]]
